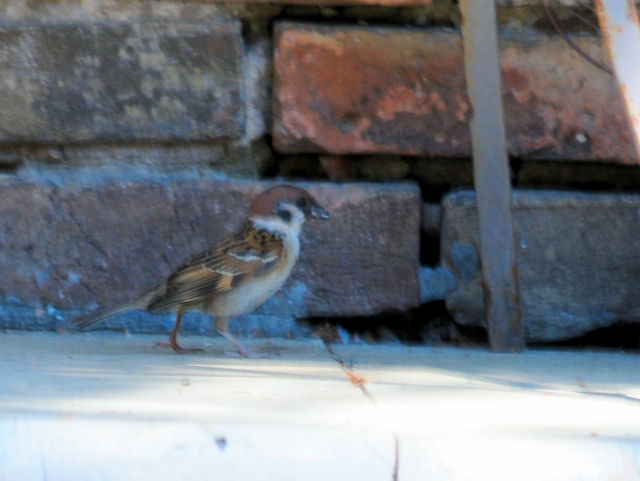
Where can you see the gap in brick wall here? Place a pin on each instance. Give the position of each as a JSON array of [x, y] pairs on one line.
[[8, 168], [429, 324], [442, 15], [579, 19], [586, 176], [437, 176], [620, 336]]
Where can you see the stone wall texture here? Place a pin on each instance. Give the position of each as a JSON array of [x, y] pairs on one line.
[[578, 263], [134, 133], [119, 81], [77, 244]]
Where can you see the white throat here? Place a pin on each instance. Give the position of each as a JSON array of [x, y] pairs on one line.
[[289, 232]]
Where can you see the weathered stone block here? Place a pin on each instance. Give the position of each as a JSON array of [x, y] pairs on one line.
[[578, 263], [358, 89], [70, 245], [85, 81]]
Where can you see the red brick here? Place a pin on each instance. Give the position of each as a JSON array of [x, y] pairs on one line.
[[355, 90], [76, 244]]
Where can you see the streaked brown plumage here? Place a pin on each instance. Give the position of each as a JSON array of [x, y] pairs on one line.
[[237, 275]]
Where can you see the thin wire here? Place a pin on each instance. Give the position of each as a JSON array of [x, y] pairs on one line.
[[586, 21], [570, 42], [591, 9]]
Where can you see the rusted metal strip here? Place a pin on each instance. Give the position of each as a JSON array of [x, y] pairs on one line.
[[491, 176], [621, 33]]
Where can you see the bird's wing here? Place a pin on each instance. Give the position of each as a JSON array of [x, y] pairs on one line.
[[249, 254]]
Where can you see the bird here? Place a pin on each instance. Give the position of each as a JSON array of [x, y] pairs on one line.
[[234, 276]]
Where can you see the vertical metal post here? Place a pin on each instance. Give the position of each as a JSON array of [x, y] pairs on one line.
[[621, 32], [491, 176]]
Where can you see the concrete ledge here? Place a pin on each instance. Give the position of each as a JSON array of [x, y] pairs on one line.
[[114, 407]]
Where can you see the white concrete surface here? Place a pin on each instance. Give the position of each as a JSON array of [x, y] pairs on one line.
[[106, 406]]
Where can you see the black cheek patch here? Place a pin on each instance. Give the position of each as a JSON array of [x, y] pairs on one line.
[[285, 215]]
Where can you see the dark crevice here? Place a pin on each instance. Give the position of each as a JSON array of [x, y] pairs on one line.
[[438, 176], [571, 19], [256, 20], [429, 324], [432, 325], [586, 176], [30, 147], [446, 16], [9, 168], [429, 250], [618, 336], [271, 169]]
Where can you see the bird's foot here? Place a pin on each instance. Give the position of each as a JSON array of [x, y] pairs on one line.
[[186, 350], [178, 348], [254, 355], [244, 352]]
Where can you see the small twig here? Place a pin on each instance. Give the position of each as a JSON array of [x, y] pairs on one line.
[[570, 42]]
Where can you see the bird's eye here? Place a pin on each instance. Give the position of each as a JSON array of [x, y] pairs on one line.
[[301, 203]]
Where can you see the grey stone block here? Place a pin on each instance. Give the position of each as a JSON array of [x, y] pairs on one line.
[[435, 283], [73, 242], [578, 260], [115, 80]]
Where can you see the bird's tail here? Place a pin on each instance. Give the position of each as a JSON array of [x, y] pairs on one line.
[[101, 314]]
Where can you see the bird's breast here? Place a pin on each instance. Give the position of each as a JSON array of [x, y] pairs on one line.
[[252, 292]]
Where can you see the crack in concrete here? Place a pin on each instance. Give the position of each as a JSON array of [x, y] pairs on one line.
[[360, 382], [355, 379], [396, 460], [85, 235], [533, 386]]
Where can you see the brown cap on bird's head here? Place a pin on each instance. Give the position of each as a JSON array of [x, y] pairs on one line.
[[267, 202]]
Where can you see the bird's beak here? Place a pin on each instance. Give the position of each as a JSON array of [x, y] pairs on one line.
[[318, 212]]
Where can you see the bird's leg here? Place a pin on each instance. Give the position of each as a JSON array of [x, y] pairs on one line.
[[222, 326], [173, 338]]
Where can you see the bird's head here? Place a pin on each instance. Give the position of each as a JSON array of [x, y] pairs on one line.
[[289, 204]]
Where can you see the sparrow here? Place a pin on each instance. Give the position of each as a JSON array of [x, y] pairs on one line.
[[236, 275]]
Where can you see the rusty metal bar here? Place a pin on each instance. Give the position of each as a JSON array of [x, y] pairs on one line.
[[621, 32], [491, 176]]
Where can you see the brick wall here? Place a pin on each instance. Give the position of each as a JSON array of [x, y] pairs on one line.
[[132, 135]]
